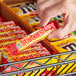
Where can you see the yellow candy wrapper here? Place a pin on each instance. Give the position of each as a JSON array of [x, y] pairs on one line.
[[66, 45], [25, 9], [33, 21]]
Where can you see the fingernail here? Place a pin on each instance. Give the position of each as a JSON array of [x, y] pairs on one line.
[[50, 36], [41, 25]]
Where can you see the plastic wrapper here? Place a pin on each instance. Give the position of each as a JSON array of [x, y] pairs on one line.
[[32, 38], [26, 9]]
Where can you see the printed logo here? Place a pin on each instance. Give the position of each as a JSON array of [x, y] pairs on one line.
[[70, 47]]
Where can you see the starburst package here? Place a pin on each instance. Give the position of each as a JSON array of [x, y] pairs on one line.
[[32, 38], [34, 53]]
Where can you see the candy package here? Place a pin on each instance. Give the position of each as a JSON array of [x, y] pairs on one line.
[[32, 38], [33, 51], [8, 24], [32, 21], [26, 9], [31, 54], [65, 45], [10, 32]]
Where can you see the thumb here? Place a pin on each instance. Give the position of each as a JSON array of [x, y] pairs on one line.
[[61, 32], [50, 13]]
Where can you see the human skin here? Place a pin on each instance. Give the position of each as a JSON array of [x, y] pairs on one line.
[[51, 8]]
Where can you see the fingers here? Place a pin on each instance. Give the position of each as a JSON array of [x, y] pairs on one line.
[[58, 34], [50, 13], [45, 18], [42, 5]]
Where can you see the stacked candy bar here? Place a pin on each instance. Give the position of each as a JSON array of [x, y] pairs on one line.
[[28, 12], [34, 51], [9, 33]]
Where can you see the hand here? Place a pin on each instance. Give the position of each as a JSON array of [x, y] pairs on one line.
[[51, 8]]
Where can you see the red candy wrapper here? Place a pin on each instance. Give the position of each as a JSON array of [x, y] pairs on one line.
[[8, 24], [32, 38]]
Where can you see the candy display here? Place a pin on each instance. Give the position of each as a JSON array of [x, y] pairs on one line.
[[34, 51], [26, 50], [23, 10], [9, 33], [15, 33]]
